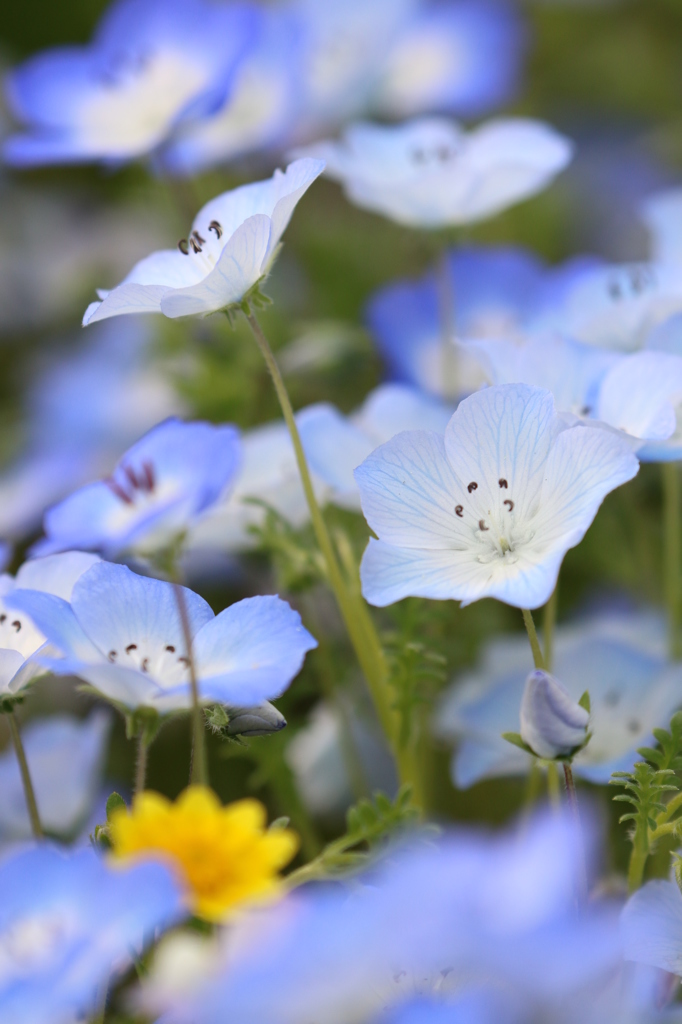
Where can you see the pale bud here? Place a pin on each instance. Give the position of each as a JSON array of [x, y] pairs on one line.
[[256, 721], [552, 723]]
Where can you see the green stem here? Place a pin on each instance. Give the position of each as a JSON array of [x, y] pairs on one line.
[[638, 859], [553, 790], [672, 550], [533, 786], [141, 762], [538, 659], [29, 791], [548, 625], [353, 610], [198, 766]]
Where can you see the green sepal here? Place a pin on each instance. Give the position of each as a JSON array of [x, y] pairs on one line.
[[115, 803], [9, 701], [143, 723], [585, 703], [515, 740]]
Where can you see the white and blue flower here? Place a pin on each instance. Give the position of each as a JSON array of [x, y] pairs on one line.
[[123, 634], [70, 925], [431, 173], [159, 487], [230, 248], [489, 510], [151, 64]]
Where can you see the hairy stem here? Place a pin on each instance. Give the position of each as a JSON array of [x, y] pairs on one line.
[[671, 554], [638, 859], [198, 767], [549, 622], [141, 762], [538, 659], [353, 610], [26, 782]]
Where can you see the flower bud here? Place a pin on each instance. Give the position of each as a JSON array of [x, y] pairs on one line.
[[552, 723], [256, 721]]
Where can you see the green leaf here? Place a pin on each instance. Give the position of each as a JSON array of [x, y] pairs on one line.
[[115, 803]]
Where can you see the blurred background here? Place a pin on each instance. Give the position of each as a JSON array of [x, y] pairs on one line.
[[609, 75]]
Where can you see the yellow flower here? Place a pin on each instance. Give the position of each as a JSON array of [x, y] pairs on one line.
[[224, 855]]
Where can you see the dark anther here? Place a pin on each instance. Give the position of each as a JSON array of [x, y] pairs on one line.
[[586, 410], [17, 625], [459, 510], [145, 665], [481, 525], [634, 725], [132, 477], [509, 504], [112, 655], [195, 247], [503, 483], [472, 486], [148, 471], [197, 237], [2, 618], [184, 661], [216, 227], [131, 647], [170, 648], [183, 246], [116, 489]]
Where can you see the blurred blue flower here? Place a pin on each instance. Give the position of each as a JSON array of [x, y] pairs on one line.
[[66, 759], [157, 489], [261, 108], [233, 241], [637, 393], [477, 292], [335, 445], [429, 917], [651, 925], [151, 64], [123, 634], [69, 925], [20, 639], [430, 173], [489, 510], [662, 215], [619, 658], [83, 408], [552, 723], [463, 57]]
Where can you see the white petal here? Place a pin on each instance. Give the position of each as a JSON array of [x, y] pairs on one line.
[[241, 264], [651, 926], [639, 395], [409, 493]]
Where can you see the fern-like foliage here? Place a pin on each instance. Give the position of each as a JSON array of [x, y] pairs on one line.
[[416, 672], [668, 755], [295, 556], [645, 787]]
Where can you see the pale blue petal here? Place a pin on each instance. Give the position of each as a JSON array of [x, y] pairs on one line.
[[390, 573], [334, 447], [54, 618], [503, 432], [116, 607], [251, 651], [478, 759], [118, 683], [409, 492], [55, 574], [640, 393], [391, 408], [652, 926]]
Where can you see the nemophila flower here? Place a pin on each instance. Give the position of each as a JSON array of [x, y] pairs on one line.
[[223, 856], [651, 926], [344, 45], [230, 248], [637, 393], [82, 410], [477, 292], [335, 445], [164, 482], [268, 478], [123, 634], [619, 658], [552, 723], [431, 173], [20, 637], [662, 215], [465, 904], [489, 510], [260, 110], [612, 305], [70, 925], [66, 758], [151, 64], [464, 57]]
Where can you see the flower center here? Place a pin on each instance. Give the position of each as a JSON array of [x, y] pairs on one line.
[[204, 248], [30, 943], [164, 663], [130, 484], [497, 533], [432, 156]]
